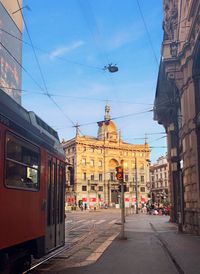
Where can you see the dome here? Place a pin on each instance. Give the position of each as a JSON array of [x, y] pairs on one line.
[[108, 131]]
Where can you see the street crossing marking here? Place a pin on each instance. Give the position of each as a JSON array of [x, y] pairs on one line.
[[86, 222], [80, 221], [99, 222], [113, 221], [68, 222]]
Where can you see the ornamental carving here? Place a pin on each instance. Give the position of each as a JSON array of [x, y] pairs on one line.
[[170, 22]]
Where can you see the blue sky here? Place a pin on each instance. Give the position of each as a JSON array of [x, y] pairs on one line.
[[74, 40]]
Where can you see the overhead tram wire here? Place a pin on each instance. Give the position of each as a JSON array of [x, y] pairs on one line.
[[22, 67], [77, 97], [92, 15], [48, 53], [32, 80], [148, 33], [34, 52], [40, 70], [115, 118], [118, 117]]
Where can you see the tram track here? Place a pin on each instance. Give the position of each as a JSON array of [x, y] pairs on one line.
[[86, 235], [68, 247]]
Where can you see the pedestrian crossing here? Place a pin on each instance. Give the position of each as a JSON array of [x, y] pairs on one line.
[[92, 221]]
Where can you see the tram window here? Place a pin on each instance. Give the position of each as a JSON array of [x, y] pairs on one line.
[[22, 164], [21, 151]]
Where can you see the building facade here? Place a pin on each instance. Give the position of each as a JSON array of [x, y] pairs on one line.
[[94, 160], [159, 181], [177, 107], [11, 48]]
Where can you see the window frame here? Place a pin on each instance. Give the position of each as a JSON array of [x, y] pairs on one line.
[[22, 140]]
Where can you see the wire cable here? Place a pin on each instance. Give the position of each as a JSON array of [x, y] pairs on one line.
[[22, 67], [77, 97], [40, 69], [118, 117], [147, 31], [48, 53], [34, 52]]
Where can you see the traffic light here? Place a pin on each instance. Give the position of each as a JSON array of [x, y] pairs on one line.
[[120, 173], [120, 188]]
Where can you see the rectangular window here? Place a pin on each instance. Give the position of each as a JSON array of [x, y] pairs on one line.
[[84, 161], [126, 177], [84, 188], [22, 164], [100, 163], [142, 179], [142, 189], [92, 187], [100, 177], [84, 176], [92, 177], [112, 176], [100, 188], [92, 162]]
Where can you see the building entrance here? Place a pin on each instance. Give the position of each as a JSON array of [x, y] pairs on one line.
[[114, 196]]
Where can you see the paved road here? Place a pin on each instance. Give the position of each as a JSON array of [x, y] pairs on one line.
[[141, 253], [85, 232], [153, 245], [80, 223]]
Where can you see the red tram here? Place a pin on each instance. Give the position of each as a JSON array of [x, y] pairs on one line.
[[32, 182]]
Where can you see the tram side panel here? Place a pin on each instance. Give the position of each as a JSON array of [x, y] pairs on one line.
[[22, 200]]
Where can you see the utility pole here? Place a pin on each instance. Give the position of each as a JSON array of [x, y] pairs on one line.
[[122, 234], [136, 186], [104, 170], [120, 178]]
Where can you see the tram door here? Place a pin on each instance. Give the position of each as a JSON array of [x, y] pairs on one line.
[[55, 205]]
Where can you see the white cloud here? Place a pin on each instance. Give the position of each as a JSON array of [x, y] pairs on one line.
[[60, 51]]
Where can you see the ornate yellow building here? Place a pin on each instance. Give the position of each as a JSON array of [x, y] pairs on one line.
[[94, 161]]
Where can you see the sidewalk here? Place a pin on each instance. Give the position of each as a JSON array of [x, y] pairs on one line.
[[153, 245]]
